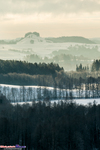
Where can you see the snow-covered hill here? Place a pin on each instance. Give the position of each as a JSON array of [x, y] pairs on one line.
[[31, 39]]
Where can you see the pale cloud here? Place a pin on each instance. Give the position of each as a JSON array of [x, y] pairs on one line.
[[48, 6], [49, 17]]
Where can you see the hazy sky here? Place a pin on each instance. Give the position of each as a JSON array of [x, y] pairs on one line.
[[49, 18]]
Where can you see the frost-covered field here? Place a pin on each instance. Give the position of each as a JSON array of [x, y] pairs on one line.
[[29, 93]]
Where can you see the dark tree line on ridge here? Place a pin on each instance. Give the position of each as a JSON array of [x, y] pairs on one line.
[[11, 66], [23, 73], [45, 127]]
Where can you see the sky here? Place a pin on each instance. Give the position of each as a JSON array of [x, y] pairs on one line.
[[51, 18]]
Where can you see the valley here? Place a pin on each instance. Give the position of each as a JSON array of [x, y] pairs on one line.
[[33, 44]]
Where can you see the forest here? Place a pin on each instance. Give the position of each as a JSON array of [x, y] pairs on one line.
[[41, 126], [51, 74], [11, 66]]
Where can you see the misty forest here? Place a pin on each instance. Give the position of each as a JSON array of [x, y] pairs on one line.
[[42, 81]]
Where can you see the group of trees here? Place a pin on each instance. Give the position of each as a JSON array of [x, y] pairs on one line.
[[11, 66], [96, 65], [80, 68], [43, 126], [26, 79], [30, 33]]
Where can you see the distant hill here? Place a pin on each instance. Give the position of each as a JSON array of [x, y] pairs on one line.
[[78, 50], [64, 39], [14, 41], [31, 38], [7, 42], [34, 37], [96, 40]]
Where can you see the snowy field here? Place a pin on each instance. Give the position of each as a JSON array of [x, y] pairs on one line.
[[27, 94], [77, 101]]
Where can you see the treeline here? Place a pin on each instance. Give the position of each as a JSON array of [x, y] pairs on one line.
[[61, 80], [11, 66], [43, 126], [26, 79], [30, 33]]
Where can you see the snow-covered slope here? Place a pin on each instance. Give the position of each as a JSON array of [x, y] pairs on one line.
[[31, 39]]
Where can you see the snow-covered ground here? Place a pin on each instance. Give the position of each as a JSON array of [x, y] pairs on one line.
[[77, 101], [20, 94], [87, 101]]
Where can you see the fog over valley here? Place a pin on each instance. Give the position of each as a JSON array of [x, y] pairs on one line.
[[33, 48]]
